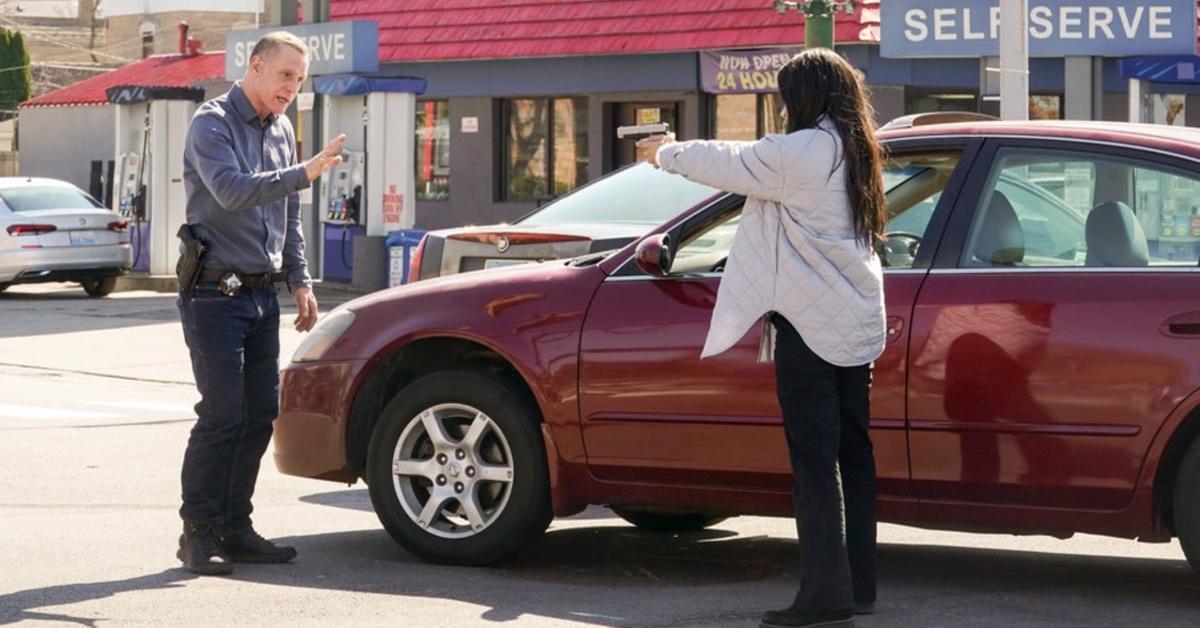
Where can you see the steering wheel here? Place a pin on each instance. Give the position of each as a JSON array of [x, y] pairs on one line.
[[900, 244]]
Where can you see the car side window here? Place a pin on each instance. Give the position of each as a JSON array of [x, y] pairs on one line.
[[706, 250], [1054, 208], [913, 183]]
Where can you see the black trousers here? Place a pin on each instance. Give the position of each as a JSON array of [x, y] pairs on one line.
[[234, 344], [826, 413]]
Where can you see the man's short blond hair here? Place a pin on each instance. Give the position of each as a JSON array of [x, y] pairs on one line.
[[275, 39]]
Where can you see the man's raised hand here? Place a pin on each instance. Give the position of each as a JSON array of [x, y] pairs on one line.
[[329, 157]]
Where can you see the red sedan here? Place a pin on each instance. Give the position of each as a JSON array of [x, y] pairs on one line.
[[1042, 372]]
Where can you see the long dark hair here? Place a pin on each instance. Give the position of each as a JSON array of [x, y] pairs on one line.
[[818, 82]]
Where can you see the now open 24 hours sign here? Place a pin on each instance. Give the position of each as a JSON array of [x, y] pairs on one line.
[[1057, 28]]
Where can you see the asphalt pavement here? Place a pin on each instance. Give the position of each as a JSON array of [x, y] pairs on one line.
[[95, 407]]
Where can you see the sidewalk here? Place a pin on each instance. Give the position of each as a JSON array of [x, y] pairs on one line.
[[133, 334], [331, 291]]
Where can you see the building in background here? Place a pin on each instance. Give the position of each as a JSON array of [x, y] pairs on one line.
[[137, 26]]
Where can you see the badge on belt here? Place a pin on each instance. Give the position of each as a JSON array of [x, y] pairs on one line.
[[230, 284]]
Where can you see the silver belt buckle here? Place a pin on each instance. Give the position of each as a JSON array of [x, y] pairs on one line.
[[230, 285]]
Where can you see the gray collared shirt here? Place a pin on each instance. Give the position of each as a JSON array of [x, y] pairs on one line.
[[241, 177]]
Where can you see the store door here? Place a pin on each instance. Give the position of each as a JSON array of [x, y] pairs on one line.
[[630, 113]]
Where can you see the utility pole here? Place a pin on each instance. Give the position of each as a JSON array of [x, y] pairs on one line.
[[1014, 60], [818, 18]]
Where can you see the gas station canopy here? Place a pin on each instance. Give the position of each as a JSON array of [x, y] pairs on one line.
[[356, 85]]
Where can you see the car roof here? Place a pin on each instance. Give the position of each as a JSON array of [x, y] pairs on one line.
[[17, 182], [1182, 140]]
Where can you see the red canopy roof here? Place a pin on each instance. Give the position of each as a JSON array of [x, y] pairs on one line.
[[443, 30], [158, 71]]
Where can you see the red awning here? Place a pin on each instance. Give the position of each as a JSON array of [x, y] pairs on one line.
[[171, 70], [445, 30]]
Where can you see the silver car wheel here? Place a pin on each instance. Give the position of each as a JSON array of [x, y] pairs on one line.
[[452, 470]]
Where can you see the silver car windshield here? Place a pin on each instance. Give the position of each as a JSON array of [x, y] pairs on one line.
[[35, 198], [639, 193]]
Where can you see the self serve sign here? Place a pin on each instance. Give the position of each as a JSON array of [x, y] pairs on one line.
[[965, 28], [334, 47]]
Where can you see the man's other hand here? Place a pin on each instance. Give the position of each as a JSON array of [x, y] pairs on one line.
[[306, 306], [329, 157]]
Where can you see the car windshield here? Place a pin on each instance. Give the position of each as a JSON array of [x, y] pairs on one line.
[[639, 193], [34, 198]]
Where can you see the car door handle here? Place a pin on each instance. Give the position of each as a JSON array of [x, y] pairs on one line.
[[1186, 325], [895, 325]]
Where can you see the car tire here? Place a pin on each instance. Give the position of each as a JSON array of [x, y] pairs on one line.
[[489, 449], [1187, 506], [668, 521], [4, 286], [99, 287]]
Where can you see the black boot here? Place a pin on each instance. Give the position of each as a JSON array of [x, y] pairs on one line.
[[808, 619], [200, 549], [246, 546]]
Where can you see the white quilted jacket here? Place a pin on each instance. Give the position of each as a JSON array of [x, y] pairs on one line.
[[794, 252]]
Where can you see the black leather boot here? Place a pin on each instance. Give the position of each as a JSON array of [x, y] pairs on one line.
[[247, 546], [200, 549], [807, 619]]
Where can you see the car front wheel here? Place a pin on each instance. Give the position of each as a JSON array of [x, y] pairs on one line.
[[457, 469], [1187, 506], [99, 287]]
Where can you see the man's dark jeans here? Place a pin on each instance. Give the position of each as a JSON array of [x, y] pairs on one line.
[[825, 416], [234, 344]]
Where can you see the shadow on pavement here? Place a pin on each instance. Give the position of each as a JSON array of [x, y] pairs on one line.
[[14, 606], [359, 499], [617, 575], [621, 576]]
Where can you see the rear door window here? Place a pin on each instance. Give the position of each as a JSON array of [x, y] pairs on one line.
[[1063, 208]]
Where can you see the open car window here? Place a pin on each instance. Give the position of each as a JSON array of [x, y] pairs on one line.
[[913, 183]]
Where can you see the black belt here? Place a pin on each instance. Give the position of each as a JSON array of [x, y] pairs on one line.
[[249, 281]]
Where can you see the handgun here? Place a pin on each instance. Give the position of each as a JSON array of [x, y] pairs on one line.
[[191, 258], [642, 131]]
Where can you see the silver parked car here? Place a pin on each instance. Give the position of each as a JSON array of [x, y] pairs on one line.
[[603, 215], [51, 230]]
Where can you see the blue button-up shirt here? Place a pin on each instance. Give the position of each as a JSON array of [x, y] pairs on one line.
[[241, 176]]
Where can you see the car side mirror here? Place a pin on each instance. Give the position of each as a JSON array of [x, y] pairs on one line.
[[653, 255]]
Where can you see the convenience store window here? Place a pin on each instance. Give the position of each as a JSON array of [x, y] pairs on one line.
[[746, 116], [545, 147], [433, 150], [917, 100]]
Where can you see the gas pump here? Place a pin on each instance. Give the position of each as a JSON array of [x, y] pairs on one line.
[[345, 189], [152, 121], [366, 198], [131, 191], [343, 216]]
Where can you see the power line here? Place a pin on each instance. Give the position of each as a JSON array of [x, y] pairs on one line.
[[51, 40]]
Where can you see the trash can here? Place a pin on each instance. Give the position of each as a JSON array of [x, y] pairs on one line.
[[401, 244]]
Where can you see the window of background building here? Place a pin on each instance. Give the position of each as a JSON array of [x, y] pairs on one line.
[[1045, 107], [433, 150], [746, 116], [923, 100], [545, 145]]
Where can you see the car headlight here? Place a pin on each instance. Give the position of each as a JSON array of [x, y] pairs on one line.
[[327, 331]]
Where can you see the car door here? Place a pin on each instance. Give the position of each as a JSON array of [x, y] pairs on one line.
[[1044, 351], [653, 412]]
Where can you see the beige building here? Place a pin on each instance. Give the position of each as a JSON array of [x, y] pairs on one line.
[[138, 28]]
